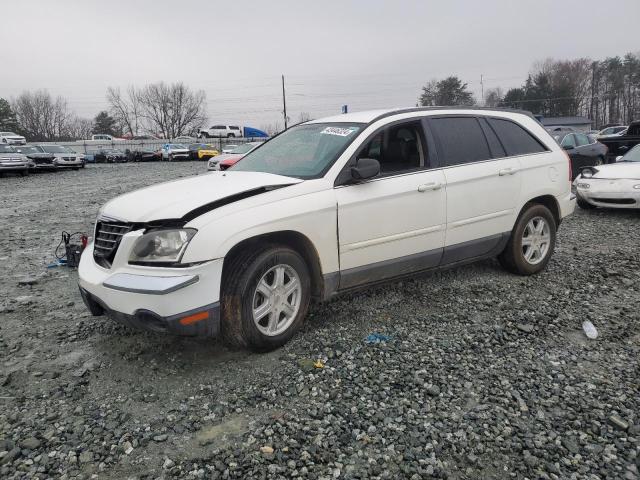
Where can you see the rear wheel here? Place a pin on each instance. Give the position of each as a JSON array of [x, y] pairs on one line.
[[170, 158], [231, 135], [532, 241], [599, 161], [265, 298]]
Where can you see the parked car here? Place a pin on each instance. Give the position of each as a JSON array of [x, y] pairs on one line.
[[10, 138], [226, 160], [110, 155], [322, 208], [13, 161], [40, 160], [174, 151], [184, 139], [583, 150], [202, 151], [64, 157], [621, 144], [103, 137], [143, 155], [614, 186], [222, 131], [228, 148], [612, 131]]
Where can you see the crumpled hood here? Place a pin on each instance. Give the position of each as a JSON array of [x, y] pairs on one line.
[[630, 170], [175, 199]]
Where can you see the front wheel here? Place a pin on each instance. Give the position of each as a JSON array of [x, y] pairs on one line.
[[532, 241], [265, 299]]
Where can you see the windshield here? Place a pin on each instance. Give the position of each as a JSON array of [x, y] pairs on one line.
[[305, 151], [54, 149], [633, 155], [177, 146], [27, 150], [246, 148], [8, 134], [6, 149]]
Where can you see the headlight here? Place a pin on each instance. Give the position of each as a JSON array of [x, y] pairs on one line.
[[583, 185], [587, 174], [637, 187], [162, 245]]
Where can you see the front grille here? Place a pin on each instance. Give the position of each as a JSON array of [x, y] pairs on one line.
[[107, 240], [616, 201], [69, 159]]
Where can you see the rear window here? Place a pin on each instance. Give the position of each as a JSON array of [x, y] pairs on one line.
[[460, 140], [516, 140]]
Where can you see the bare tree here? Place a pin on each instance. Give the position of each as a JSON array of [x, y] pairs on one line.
[[304, 117], [172, 110], [40, 116], [79, 128], [493, 97], [125, 109], [271, 128]]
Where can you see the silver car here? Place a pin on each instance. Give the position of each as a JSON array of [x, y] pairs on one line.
[[64, 156], [13, 161]]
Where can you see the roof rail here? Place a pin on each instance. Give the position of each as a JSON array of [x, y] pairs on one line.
[[470, 108]]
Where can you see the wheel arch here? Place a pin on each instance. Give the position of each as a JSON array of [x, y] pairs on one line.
[[292, 239], [548, 201]]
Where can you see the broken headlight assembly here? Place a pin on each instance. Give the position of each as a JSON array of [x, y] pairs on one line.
[[161, 246]]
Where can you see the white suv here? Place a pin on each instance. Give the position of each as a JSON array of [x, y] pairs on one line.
[[222, 131], [325, 207]]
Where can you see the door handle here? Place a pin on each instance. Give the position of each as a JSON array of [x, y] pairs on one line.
[[425, 187], [507, 171]]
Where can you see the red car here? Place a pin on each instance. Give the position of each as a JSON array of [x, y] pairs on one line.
[[226, 160]]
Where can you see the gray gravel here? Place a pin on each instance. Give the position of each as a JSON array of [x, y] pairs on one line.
[[485, 374]]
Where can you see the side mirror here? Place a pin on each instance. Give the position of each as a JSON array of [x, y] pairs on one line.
[[567, 147], [365, 168], [618, 158]]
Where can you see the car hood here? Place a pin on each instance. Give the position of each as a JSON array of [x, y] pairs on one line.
[[180, 198], [12, 155], [630, 170], [178, 150], [14, 137]]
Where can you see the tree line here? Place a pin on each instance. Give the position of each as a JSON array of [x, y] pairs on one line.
[[606, 91], [160, 109]]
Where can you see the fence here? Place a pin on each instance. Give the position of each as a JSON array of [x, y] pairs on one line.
[[91, 146]]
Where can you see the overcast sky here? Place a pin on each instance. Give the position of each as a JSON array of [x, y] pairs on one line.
[[367, 54]]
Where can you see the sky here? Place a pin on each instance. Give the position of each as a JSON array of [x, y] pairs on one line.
[[365, 54]]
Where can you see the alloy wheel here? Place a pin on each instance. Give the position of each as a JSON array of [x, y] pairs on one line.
[[276, 300], [536, 239]]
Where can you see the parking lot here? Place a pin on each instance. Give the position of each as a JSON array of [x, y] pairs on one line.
[[485, 374]]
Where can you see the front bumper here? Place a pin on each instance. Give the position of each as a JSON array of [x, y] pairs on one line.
[[13, 166], [182, 301], [610, 193], [68, 163]]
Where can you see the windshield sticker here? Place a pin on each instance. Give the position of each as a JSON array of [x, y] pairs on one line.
[[341, 132]]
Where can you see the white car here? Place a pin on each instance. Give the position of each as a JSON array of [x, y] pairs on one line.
[[222, 131], [232, 156], [102, 137], [616, 185], [174, 151], [64, 157], [10, 138], [323, 208], [13, 161], [612, 131]]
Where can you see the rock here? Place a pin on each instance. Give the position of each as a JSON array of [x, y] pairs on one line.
[[168, 463], [266, 449], [30, 443], [86, 457], [525, 327], [27, 281], [306, 364], [571, 444], [433, 390], [160, 438], [10, 456], [618, 423]]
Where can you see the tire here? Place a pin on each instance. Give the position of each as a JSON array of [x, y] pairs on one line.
[[599, 161], [513, 257], [241, 294], [231, 135], [170, 158], [584, 204], [204, 135]]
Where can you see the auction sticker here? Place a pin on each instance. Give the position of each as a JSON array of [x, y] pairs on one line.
[[341, 132]]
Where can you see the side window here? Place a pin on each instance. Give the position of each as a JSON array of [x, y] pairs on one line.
[[495, 146], [516, 140], [399, 148], [460, 140], [234, 128], [219, 127], [569, 141], [582, 139]]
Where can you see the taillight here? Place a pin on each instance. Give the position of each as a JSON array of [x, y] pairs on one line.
[[570, 167]]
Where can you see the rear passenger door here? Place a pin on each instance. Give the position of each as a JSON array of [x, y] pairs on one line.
[[483, 185]]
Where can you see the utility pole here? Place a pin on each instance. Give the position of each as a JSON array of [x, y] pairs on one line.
[[284, 104], [482, 89]]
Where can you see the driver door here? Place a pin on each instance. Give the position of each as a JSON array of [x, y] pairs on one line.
[[392, 224]]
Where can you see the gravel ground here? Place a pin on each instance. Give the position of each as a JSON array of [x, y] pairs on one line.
[[485, 374]]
